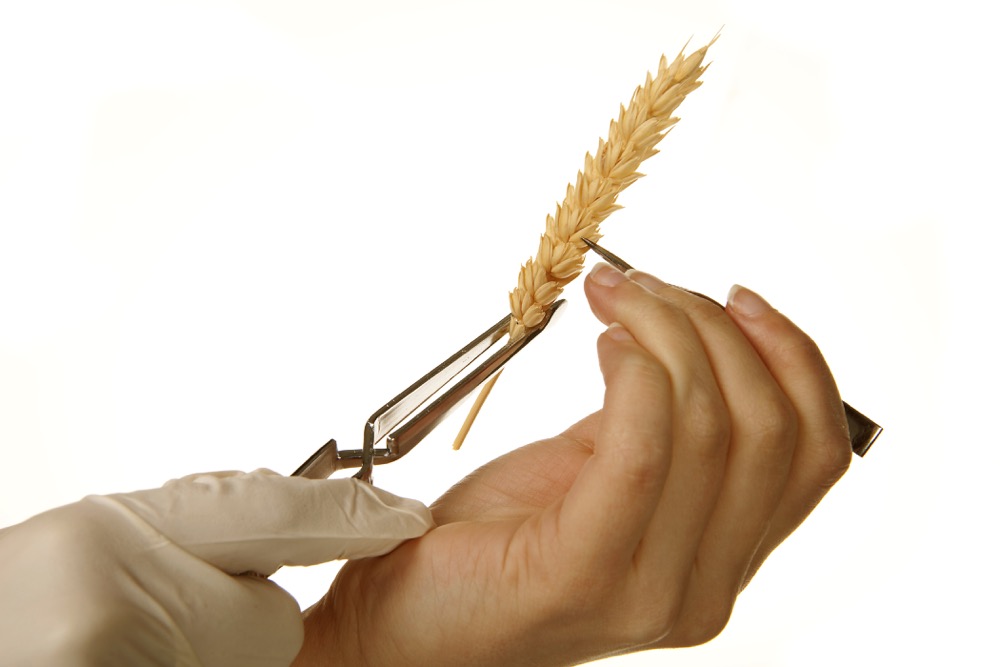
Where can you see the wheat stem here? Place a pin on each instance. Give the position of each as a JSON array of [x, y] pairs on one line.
[[474, 410]]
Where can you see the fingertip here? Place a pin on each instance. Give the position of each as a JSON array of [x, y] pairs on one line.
[[619, 333], [605, 275], [613, 343], [619, 353], [408, 514], [599, 287], [746, 303]]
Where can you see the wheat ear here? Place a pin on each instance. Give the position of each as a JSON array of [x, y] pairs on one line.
[[632, 138]]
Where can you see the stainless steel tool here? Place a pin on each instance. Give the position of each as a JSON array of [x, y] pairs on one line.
[[405, 420]]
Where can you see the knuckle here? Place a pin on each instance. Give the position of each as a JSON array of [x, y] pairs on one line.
[[832, 459], [708, 311], [708, 423], [642, 468], [801, 350], [775, 426], [643, 371]]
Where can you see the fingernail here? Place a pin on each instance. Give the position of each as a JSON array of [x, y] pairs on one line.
[[648, 281], [746, 302], [607, 275], [619, 333]]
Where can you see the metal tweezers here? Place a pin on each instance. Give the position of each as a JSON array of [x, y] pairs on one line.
[[428, 400], [409, 417]]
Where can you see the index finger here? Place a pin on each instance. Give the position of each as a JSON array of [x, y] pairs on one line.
[[260, 521]]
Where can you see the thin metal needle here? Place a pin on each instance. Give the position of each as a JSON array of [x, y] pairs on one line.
[[611, 258], [624, 266]]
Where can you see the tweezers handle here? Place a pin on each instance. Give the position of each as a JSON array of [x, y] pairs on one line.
[[324, 462], [863, 430], [423, 405]]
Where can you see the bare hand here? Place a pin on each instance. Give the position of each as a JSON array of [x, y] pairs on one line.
[[638, 527]]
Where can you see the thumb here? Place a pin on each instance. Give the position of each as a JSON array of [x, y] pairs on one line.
[[259, 521]]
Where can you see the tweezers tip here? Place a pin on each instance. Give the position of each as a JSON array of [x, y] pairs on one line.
[[609, 256]]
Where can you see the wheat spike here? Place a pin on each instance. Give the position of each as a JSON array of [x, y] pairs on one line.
[[632, 138]]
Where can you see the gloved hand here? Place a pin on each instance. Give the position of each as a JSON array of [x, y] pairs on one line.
[[175, 575]]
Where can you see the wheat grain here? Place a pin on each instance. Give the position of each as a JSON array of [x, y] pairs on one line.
[[632, 138]]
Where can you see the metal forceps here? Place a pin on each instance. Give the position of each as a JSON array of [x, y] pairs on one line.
[[863, 430], [409, 417]]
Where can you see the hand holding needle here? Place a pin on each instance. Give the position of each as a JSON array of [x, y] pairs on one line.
[[863, 430]]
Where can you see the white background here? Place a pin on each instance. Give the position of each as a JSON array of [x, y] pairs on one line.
[[231, 230]]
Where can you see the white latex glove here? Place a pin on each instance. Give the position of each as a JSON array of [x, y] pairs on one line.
[[160, 577]]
